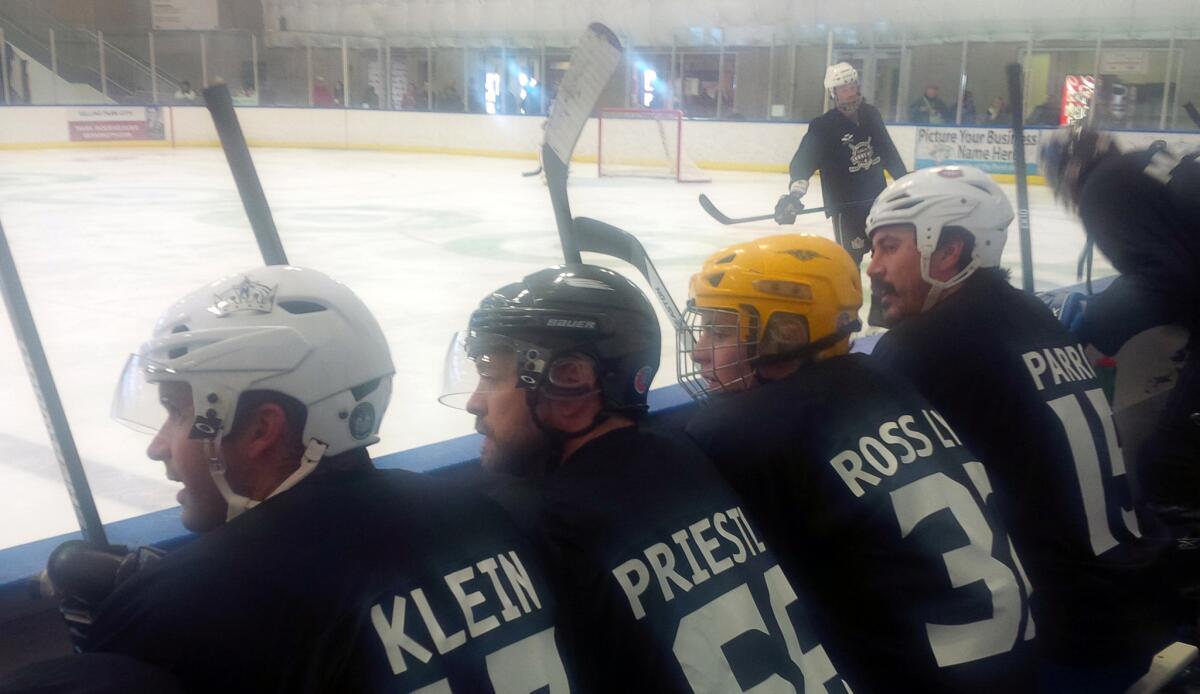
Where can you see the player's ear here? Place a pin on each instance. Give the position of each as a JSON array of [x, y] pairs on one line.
[[944, 263], [267, 426]]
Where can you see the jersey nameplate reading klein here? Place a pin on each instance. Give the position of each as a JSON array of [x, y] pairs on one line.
[[877, 452], [479, 612]]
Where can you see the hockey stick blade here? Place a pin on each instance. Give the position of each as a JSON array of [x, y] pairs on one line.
[[593, 64], [723, 218], [529, 174], [42, 379], [233, 142], [595, 236]]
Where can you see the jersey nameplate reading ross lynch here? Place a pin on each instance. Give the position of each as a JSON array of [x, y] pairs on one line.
[[879, 453]]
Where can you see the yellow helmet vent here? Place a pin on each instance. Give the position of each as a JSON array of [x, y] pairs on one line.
[[792, 290]]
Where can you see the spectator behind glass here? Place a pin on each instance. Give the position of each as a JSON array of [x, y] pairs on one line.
[[997, 114], [321, 96], [185, 93], [929, 108], [370, 98]]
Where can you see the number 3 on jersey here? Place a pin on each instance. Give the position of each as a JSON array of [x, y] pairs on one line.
[[955, 644], [1094, 487]]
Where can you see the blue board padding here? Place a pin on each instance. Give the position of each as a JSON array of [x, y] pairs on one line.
[[164, 528]]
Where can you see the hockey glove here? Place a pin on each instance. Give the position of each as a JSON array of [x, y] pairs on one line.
[[83, 575], [787, 208], [790, 205]]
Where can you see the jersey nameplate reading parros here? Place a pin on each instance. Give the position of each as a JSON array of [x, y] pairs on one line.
[[879, 452], [1066, 364]]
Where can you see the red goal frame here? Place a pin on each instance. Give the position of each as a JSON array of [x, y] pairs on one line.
[[661, 114]]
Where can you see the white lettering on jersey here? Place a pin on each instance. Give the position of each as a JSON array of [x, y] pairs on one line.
[[1065, 364], [879, 453], [862, 154], [472, 603], [661, 558]]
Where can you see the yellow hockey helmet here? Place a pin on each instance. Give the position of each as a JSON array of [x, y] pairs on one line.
[[790, 296]]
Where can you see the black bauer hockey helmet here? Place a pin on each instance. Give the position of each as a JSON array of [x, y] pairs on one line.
[[575, 309]]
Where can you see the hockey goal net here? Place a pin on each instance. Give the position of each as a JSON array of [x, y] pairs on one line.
[[644, 142]]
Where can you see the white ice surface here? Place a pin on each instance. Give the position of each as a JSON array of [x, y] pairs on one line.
[[105, 240]]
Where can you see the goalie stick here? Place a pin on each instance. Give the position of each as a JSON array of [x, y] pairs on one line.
[[220, 106], [55, 417], [593, 63], [1016, 99], [529, 174]]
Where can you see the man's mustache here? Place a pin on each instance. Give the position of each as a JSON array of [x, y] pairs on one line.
[[880, 287]]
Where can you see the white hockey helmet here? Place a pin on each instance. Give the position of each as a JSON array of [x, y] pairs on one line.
[[284, 329], [930, 200], [839, 75]]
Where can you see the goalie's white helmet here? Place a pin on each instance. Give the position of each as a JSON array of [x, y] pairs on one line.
[[930, 200], [840, 75], [283, 329]]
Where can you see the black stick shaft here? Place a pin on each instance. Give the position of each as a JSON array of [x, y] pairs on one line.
[[220, 105], [556, 182], [47, 394], [1016, 98]]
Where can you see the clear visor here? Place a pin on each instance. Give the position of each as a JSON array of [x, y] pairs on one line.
[[715, 350], [477, 363], [484, 363], [137, 402]]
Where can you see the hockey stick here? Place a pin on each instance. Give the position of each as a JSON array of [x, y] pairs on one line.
[[1192, 113], [593, 63], [529, 174], [1016, 99], [55, 417], [721, 217], [595, 236], [220, 106]]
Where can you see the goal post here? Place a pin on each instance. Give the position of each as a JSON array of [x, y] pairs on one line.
[[644, 142]]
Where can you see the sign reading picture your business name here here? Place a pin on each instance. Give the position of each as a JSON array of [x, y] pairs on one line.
[[989, 149]]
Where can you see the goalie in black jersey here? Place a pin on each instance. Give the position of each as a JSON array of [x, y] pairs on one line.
[[851, 147], [864, 489], [313, 572], [671, 584], [1142, 209], [1019, 391]]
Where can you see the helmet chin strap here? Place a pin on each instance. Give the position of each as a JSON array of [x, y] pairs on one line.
[[238, 504], [558, 438], [938, 288]]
